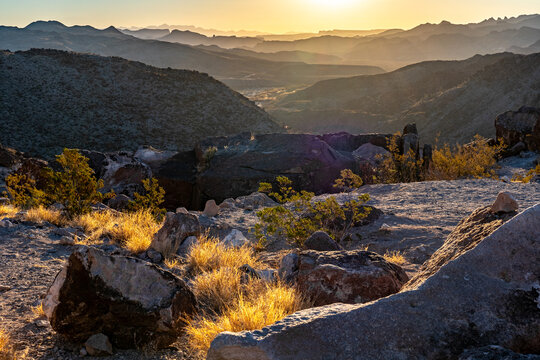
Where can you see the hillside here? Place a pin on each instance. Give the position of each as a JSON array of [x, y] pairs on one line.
[[454, 98], [53, 99], [235, 70]]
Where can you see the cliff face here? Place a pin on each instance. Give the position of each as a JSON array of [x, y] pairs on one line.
[[54, 99]]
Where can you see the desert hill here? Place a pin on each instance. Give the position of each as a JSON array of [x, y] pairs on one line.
[[53, 99], [454, 98]]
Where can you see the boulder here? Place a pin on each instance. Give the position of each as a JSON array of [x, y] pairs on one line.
[[176, 228], [346, 142], [119, 202], [186, 245], [235, 239], [254, 201], [321, 241], [98, 345], [356, 276], [523, 125], [132, 302], [505, 203], [211, 209], [488, 295], [177, 176], [370, 153], [10, 157], [241, 163]]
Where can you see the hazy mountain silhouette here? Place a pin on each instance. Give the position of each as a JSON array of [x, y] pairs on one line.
[[454, 98], [193, 38]]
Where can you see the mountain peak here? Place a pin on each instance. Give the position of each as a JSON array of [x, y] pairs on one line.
[[45, 25]]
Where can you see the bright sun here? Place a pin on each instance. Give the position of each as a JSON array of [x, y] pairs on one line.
[[332, 3]]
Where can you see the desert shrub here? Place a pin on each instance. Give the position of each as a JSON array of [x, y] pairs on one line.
[[75, 186], [474, 160], [299, 215], [151, 200], [395, 257], [23, 193], [348, 181], [396, 167], [134, 230], [42, 214], [248, 312], [527, 177]]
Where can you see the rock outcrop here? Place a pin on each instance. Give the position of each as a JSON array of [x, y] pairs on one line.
[[522, 126], [487, 296], [132, 302], [352, 277], [176, 228]]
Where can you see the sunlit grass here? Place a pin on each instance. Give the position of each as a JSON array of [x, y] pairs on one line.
[[42, 214], [134, 231], [6, 350], [8, 210], [526, 177], [395, 257], [38, 310]]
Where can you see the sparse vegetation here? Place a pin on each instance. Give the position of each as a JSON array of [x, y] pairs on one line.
[[526, 177], [42, 214], [134, 230], [299, 215], [231, 300], [38, 310], [397, 167], [8, 210], [395, 257], [207, 156], [6, 349], [151, 200], [348, 181], [22, 191]]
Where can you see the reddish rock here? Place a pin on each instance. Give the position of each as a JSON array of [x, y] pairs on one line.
[[523, 125]]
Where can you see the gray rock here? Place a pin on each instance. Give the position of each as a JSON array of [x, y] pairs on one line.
[[154, 256], [235, 239], [321, 241], [486, 296], [176, 228], [131, 301], [67, 240], [119, 202], [288, 266], [370, 153], [211, 209], [504, 203], [254, 201], [98, 345], [186, 245]]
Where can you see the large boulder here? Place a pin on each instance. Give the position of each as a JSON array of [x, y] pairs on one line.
[[346, 142], [486, 296], [177, 176], [237, 167], [176, 228], [520, 126], [352, 277], [132, 302], [10, 157]]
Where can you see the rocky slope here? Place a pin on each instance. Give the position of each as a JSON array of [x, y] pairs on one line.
[[454, 98], [54, 99]]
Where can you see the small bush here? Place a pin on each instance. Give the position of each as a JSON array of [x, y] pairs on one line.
[[134, 231], [396, 167], [348, 181], [395, 257], [75, 186], [301, 216], [42, 214], [8, 210], [23, 193], [527, 177], [151, 200]]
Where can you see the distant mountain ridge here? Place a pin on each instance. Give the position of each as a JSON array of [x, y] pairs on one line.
[[52, 99], [455, 99]]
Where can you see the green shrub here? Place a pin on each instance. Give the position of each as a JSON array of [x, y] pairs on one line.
[[348, 181], [151, 200], [75, 186], [299, 215], [22, 191], [396, 167]]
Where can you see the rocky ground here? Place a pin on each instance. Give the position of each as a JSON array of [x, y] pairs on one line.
[[419, 217]]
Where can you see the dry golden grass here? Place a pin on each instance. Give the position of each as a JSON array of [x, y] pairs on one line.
[[217, 289], [6, 350], [171, 263], [8, 210], [210, 254], [395, 257], [38, 311], [248, 312], [527, 177], [42, 214], [134, 231]]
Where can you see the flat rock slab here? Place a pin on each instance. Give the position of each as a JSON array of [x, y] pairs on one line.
[[487, 296]]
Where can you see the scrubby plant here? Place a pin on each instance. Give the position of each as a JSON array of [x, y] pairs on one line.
[[527, 177], [396, 167], [395, 257], [151, 200], [476, 159], [22, 191], [299, 215], [348, 181]]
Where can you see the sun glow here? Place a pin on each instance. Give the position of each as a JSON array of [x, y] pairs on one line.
[[332, 3]]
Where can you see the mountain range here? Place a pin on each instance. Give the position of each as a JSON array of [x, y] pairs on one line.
[[53, 99], [450, 100]]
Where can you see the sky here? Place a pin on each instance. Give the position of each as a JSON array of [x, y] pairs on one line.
[[272, 16]]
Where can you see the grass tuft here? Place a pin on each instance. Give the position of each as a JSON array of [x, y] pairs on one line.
[[42, 214], [6, 350], [38, 311], [134, 231], [8, 210], [395, 257]]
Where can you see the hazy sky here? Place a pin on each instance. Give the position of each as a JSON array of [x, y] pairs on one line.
[[262, 15]]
